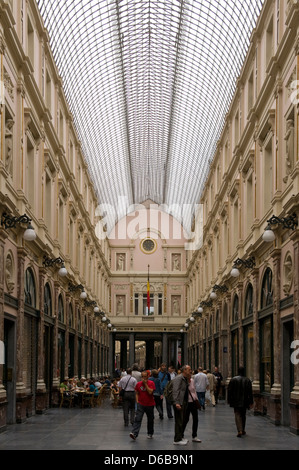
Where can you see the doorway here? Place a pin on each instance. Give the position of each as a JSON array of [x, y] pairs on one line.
[[48, 357], [9, 369]]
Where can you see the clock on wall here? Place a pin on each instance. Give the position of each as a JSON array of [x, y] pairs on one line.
[[148, 246]]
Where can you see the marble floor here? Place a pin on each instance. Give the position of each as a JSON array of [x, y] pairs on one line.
[[103, 429]]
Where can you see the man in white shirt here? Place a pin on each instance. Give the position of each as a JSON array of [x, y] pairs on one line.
[[202, 384], [128, 384]]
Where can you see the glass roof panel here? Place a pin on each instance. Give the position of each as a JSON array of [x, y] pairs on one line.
[[149, 83]]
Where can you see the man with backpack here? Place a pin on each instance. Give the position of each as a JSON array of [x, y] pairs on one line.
[[165, 378]]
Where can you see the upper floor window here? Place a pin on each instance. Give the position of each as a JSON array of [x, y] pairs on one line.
[[47, 300], [249, 301], [29, 287], [71, 316], [235, 313], [267, 289], [60, 309]]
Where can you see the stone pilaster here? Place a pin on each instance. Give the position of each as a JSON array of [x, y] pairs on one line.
[[275, 398], [21, 395], [294, 401], [56, 376], [256, 344], [76, 366], [41, 392], [67, 335], [229, 342], [3, 397]]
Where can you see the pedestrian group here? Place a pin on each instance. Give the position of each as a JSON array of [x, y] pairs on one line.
[[184, 392]]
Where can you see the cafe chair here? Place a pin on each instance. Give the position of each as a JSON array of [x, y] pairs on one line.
[[66, 398], [88, 399], [101, 396]]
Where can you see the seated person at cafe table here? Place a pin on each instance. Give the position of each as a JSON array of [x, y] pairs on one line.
[[64, 386], [93, 388]]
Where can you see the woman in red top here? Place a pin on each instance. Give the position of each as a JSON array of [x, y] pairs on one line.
[[145, 404]]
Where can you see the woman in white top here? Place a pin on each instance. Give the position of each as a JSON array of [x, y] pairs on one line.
[[192, 408]]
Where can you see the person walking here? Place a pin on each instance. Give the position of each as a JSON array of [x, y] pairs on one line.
[[164, 377], [201, 383], [158, 396], [180, 395], [192, 409], [136, 372], [240, 398], [128, 384], [212, 385], [145, 404], [219, 380], [172, 372]]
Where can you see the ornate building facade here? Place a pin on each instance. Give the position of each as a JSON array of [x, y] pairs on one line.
[[149, 245], [73, 300], [250, 316], [47, 331]]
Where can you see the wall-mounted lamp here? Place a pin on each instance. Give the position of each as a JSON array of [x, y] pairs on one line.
[[222, 289], [55, 262], [92, 303], [73, 288], [192, 319], [104, 319], [249, 264], [9, 221], [290, 222], [208, 304]]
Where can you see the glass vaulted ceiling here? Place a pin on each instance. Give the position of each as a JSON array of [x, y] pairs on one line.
[[149, 83]]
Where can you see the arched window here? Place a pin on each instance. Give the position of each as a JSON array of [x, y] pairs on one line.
[[85, 325], [235, 313], [47, 300], [29, 288], [79, 323], [267, 289], [225, 317], [217, 321], [60, 309], [249, 301], [71, 316]]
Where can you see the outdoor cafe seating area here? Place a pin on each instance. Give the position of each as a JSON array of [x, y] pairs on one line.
[[89, 393]]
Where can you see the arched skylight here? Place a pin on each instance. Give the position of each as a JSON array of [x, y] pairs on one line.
[[149, 83]]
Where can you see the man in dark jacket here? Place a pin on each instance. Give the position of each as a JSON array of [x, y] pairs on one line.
[[240, 398], [180, 403]]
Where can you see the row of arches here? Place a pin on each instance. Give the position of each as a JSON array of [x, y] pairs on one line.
[[66, 313]]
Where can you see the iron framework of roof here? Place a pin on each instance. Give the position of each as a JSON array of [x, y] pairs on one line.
[[149, 83]]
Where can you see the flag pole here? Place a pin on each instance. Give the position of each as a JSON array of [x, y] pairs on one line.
[[148, 292]]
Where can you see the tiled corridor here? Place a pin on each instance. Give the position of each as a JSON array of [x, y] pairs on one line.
[[103, 429]]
